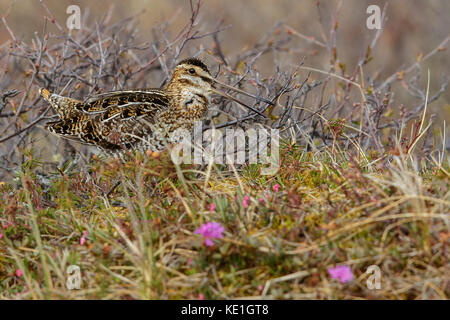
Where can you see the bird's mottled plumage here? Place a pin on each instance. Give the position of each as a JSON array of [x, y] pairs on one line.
[[127, 119]]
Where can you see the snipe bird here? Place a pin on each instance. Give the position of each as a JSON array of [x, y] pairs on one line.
[[121, 120]]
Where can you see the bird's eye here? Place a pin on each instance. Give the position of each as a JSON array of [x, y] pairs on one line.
[[192, 71]]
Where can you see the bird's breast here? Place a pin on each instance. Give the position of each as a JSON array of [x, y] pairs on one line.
[[192, 104]]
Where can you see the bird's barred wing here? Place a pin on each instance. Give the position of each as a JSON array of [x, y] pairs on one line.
[[114, 120], [147, 99]]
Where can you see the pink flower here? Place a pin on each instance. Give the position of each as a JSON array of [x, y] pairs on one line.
[[201, 296], [276, 187], [343, 273], [189, 262], [245, 201], [260, 288], [83, 238], [1, 235], [212, 207], [210, 230], [19, 273]]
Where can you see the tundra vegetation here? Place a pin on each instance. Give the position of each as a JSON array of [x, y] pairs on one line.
[[363, 179]]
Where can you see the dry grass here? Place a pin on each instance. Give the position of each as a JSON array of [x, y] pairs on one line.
[[140, 242]]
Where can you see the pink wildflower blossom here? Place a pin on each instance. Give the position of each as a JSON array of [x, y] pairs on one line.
[[343, 273], [201, 296], [83, 238], [19, 273], [245, 201], [210, 230], [276, 187], [212, 207], [1, 235]]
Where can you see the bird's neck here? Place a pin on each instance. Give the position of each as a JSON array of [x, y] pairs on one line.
[[189, 97]]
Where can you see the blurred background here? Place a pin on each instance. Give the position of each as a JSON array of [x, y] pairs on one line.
[[412, 29]]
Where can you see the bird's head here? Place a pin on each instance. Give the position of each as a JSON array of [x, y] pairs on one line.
[[193, 75]]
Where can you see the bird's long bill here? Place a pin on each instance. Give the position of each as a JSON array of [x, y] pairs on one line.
[[236, 100], [243, 92]]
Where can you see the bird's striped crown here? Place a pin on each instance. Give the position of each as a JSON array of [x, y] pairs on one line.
[[194, 62]]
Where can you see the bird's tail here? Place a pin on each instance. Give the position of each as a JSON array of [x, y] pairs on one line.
[[62, 105], [45, 94]]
